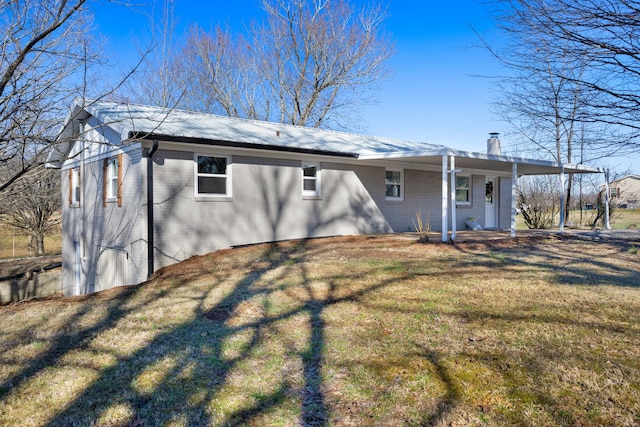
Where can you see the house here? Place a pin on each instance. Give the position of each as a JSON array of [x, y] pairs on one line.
[[626, 191], [145, 187]]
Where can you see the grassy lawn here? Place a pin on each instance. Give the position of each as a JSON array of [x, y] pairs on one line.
[[345, 332], [624, 219]]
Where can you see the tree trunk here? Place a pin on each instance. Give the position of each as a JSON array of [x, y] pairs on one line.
[[37, 241], [567, 205]]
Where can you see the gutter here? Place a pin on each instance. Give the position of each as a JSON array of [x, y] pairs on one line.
[[150, 221], [221, 143]]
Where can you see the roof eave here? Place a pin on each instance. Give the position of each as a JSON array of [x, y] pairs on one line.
[[149, 136], [406, 155]]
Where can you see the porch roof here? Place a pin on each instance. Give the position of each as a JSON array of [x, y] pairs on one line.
[[482, 161]]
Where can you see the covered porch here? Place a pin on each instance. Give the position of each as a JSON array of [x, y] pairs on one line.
[[450, 163]]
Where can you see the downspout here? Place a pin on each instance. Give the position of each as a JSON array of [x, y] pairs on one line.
[[150, 224]]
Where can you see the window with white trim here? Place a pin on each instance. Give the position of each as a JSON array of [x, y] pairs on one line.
[[463, 190], [112, 178], [394, 182], [310, 179], [74, 187], [212, 175], [112, 181]]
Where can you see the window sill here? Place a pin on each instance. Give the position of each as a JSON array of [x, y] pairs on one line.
[[311, 197], [202, 198], [395, 200]]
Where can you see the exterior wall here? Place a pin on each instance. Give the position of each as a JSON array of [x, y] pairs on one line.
[[102, 240], [422, 194], [266, 204], [629, 191], [477, 208]]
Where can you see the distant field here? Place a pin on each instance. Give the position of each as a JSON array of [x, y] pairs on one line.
[[15, 244], [621, 219], [624, 219]]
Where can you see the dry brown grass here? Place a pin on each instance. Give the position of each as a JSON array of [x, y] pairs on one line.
[[14, 243], [347, 331]]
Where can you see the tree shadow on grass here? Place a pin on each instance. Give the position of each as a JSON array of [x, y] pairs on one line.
[[571, 264], [192, 372]]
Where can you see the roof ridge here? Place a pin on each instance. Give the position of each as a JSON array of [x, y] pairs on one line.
[[166, 110]]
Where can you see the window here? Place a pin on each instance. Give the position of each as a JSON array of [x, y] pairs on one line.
[[488, 194], [310, 179], [112, 181], [394, 184], [74, 187], [112, 178], [463, 190], [615, 191], [213, 176]]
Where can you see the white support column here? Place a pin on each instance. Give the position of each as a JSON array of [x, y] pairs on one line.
[[514, 195], [562, 196], [445, 197], [607, 198], [453, 197]]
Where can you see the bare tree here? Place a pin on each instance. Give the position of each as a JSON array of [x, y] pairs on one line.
[[160, 78], [47, 57], [42, 48], [600, 34], [308, 63], [537, 199], [549, 96], [32, 205]]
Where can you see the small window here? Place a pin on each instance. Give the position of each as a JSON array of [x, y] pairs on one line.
[[463, 190], [310, 179], [394, 184], [212, 175], [74, 187], [112, 180]]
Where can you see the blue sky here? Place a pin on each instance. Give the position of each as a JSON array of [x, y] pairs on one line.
[[436, 95]]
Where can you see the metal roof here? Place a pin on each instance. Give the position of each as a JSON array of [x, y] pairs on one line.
[[135, 122]]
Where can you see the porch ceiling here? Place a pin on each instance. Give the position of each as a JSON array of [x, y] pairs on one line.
[[483, 161]]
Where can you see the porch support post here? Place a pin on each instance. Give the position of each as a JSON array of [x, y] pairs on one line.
[[445, 197], [514, 195], [607, 197], [562, 196], [453, 198]]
